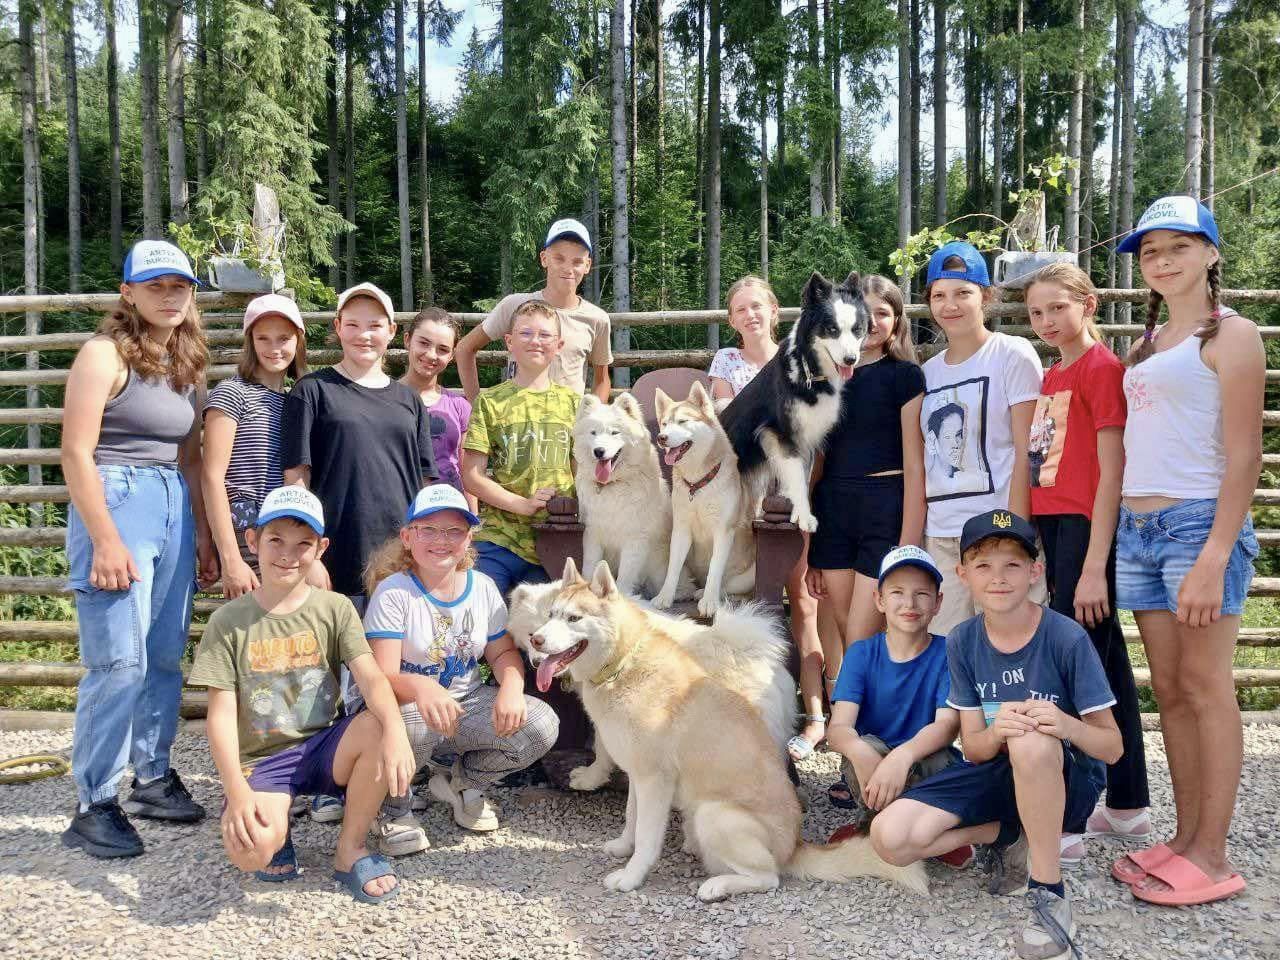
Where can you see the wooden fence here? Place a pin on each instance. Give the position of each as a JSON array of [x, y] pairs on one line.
[[225, 340]]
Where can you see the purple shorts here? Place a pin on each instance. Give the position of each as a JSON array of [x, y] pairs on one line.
[[304, 768]]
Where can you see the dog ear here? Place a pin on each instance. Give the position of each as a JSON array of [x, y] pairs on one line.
[[818, 288], [698, 395], [630, 406], [571, 574], [589, 402], [602, 584], [853, 282], [661, 404]]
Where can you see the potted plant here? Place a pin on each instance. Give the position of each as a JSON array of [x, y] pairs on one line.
[[239, 256]]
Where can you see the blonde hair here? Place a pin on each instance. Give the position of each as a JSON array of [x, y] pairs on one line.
[[536, 308], [247, 367], [1208, 327], [900, 345], [1076, 282], [182, 359], [394, 557], [750, 280]]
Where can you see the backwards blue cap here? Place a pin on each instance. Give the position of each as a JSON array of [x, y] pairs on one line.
[[975, 268]]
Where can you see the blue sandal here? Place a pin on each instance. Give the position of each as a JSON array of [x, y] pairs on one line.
[[284, 857], [369, 867]]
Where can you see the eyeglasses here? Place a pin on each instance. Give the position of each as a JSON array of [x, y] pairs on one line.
[[450, 535], [535, 336]]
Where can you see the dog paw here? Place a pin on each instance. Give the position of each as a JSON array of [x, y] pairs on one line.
[[805, 520], [624, 880], [588, 778], [707, 605], [662, 601], [712, 889], [619, 847]]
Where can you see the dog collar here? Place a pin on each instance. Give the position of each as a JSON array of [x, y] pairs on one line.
[[699, 484], [611, 671]]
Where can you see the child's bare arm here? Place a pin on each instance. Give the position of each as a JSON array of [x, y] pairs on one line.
[[489, 491], [1020, 416], [475, 340], [397, 764], [932, 737]]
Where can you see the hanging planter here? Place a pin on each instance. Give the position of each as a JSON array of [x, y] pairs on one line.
[[236, 275], [240, 257]]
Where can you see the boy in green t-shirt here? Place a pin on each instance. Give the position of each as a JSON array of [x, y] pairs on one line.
[[521, 432], [270, 660]]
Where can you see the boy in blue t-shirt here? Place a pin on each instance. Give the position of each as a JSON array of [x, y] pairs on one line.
[[1036, 727], [889, 713]]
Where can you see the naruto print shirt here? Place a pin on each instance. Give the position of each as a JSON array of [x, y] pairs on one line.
[[284, 669]]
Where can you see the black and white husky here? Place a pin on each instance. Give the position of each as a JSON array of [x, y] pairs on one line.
[[781, 418]]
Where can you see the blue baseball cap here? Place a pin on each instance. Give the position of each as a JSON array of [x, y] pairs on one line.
[[437, 497], [292, 501], [975, 268], [149, 259], [909, 556], [1182, 213]]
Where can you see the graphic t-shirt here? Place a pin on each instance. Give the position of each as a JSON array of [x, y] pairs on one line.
[[528, 437], [444, 639], [1075, 403], [254, 469], [733, 368], [585, 330], [968, 429], [449, 416], [283, 668], [896, 700], [1058, 664]]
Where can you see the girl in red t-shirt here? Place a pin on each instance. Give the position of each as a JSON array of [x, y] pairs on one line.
[[1077, 459]]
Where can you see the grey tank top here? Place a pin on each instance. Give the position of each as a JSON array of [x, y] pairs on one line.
[[144, 424]]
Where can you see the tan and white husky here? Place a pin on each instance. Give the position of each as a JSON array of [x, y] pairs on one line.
[[711, 508], [689, 742]]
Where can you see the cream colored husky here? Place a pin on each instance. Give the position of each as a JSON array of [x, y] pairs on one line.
[[688, 741], [744, 648]]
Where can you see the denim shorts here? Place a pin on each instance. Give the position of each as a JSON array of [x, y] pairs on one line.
[[1155, 551]]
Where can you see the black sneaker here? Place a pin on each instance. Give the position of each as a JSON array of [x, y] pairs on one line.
[[103, 831], [164, 799]]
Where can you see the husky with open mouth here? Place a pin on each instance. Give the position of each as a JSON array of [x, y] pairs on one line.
[[690, 742], [781, 418]]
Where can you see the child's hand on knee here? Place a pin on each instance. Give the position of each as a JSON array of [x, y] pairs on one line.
[[439, 710], [508, 711], [888, 780], [1013, 721], [243, 820], [397, 765], [1049, 719]]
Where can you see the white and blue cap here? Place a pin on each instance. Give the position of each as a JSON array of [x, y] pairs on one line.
[[149, 259], [975, 268], [568, 229], [437, 497], [1182, 213], [909, 556], [292, 501]]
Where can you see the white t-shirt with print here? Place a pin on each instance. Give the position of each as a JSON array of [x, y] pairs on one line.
[[968, 429], [732, 367], [443, 639]]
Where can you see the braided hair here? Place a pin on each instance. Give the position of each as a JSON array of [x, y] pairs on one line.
[[1208, 328]]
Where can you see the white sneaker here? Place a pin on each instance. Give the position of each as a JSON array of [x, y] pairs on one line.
[[471, 810], [401, 836]]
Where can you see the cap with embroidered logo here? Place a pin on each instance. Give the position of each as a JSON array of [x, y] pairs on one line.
[[909, 556], [1181, 213], [998, 523], [149, 259], [568, 229], [437, 497], [367, 290], [292, 501], [975, 268]]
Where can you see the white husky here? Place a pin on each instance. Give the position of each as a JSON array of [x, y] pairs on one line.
[[623, 500], [744, 648], [711, 507], [688, 741]]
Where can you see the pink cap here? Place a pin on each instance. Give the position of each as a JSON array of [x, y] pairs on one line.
[[371, 291], [272, 304]]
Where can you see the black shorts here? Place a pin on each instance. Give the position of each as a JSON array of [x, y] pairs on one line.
[[859, 521]]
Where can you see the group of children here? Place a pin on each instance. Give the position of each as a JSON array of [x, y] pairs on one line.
[[1093, 485]]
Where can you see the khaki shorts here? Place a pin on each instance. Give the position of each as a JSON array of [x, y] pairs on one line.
[[957, 603]]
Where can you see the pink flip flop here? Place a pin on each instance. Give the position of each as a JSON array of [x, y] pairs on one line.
[[1190, 885], [1135, 865]]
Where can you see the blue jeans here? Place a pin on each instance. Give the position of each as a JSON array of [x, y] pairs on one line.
[[506, 568], [132, 641]]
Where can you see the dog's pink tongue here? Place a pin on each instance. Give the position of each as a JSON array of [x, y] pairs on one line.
[[671, 455], [845, 371], [547, 672], [604, 471]]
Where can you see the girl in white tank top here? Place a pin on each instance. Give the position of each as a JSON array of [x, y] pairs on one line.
[[1185, 543]]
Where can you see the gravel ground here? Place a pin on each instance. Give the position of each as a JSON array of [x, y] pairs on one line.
[[533, 889]]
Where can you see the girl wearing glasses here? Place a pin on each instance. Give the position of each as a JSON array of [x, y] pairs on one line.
[[431, 618]]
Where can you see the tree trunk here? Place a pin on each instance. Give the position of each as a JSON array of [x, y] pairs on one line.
[[660, 147], [402, 167], [815, 151], [997, 127], [32, 222], [1071, 221], [1087, 188], [1128, 145], [713, 170], [333, 151], [349, 133], [593, 224], [971, 110], [424, 170], [633, 145], [1113, 189], [916, 97], [764, 183], [780, 109], [113, 134], [621, 169], [834, 58], [1020, 100], [177, 112], [73, 146], [202, 72], [698, 171], [904, 132], [1195, 68], [149, 94], [1208, 93], [940, 111], [42, 40]]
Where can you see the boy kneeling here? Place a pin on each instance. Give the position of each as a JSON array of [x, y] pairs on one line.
[[1036, 726], [270, 660]]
